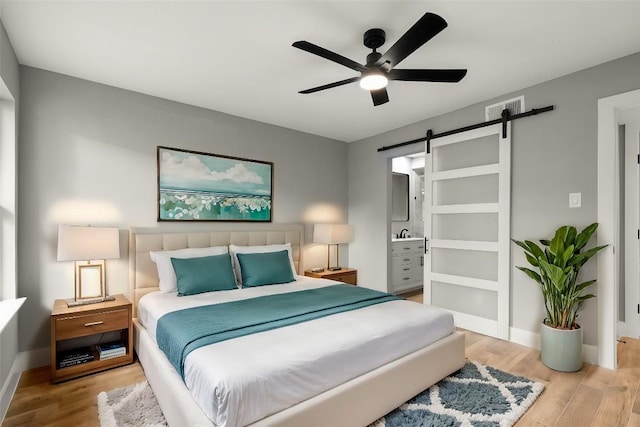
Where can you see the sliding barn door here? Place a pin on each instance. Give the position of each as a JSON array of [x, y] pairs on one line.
[[467, 222]]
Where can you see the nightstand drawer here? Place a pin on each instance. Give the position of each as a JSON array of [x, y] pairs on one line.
[[345, 275], [82, 325], [349, 278]]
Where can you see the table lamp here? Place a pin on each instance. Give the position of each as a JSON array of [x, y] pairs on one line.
[[88, 247], [333, 234]]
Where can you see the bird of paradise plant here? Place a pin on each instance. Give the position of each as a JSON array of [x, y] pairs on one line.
[[558, 263]]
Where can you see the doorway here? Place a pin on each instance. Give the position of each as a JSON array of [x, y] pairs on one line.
[[407, 245], [628, 267], [410, 166], [608, 216]]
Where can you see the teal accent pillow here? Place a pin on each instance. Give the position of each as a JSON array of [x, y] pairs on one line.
[[268, 268], [204, 274]]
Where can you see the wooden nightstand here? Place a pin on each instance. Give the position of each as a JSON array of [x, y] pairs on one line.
[[87, 325], [345, 275]]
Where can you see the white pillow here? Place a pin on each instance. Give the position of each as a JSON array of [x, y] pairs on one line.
[[233, 249], [166, 274]]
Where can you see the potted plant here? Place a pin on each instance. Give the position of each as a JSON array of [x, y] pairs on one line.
[[556, 267]]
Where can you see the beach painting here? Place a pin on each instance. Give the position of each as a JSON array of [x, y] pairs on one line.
[[196, 186]]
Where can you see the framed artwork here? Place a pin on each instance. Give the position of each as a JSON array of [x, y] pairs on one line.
[[196, 186]]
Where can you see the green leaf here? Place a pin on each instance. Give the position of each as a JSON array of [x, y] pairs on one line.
[[535, 249], [585, 235], [556, 246], [571, 236], [545, 242], [583, 298], [532, 274], [581, 286], [555, 274], [521, 244], [561, 260], [548, 255], [582, 258], [532, 260]]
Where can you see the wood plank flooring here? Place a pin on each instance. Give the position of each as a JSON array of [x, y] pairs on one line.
[[593, 396]]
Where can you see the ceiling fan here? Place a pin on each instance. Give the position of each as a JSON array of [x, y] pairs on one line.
[[379, 68]]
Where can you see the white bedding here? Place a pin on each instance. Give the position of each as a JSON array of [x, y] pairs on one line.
[[239, 381]]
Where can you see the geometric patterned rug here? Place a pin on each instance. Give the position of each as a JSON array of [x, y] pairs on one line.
[[474, 396]]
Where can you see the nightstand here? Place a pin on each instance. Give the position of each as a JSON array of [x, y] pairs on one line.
[[345, 275], [75, 328]]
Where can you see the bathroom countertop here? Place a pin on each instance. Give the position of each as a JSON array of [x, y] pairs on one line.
[[407, 239]]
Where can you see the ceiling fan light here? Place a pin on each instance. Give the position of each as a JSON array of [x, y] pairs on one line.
[[373, 80]]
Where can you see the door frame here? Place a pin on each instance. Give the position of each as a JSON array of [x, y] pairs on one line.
[[607, 217], [630, 325]]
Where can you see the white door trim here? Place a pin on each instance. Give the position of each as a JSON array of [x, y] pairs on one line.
[[607, 175]]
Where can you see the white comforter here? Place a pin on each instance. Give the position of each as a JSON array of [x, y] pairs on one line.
[[240, 381]]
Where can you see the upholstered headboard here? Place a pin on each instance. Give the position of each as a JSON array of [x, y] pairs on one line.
[[143, 275]]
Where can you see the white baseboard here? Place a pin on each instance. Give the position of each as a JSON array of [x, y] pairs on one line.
[[532, 339], [9, 388], [25, 360], [527, 338], [34, 358]]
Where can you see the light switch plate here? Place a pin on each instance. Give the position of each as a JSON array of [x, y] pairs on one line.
[[575, 200]]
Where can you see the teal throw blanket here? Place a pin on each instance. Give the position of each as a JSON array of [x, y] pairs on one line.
[[180, 332]]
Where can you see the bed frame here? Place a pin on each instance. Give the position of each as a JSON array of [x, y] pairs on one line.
[[356, 403]]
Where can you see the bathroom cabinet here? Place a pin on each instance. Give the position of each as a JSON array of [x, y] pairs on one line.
[[407, 265]]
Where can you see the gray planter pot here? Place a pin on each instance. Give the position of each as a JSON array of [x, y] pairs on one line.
[[561, 349]]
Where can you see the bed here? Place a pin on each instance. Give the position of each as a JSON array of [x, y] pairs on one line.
[[346, 399]]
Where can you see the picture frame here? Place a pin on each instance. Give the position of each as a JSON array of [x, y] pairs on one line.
[[199, 186], [90, 280]]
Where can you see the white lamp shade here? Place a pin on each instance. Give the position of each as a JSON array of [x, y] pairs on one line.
[[332, 234], [83, 243]]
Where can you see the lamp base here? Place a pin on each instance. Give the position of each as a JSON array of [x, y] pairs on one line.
[[336, 268], [72, 302]]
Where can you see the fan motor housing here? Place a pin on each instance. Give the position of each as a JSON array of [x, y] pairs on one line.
[[374, 38]]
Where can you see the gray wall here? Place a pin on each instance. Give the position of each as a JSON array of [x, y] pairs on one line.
[[88, 155], [9, 69], [553, 154], [10, 76]]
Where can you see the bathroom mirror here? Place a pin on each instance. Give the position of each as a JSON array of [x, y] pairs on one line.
[[399, 197]]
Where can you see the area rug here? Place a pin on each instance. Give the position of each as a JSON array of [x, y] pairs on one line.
[[474, 396], [131, 406]]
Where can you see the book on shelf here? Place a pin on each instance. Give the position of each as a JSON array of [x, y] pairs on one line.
[[112, 355], [67, 363], [111, 349], [74, 357]]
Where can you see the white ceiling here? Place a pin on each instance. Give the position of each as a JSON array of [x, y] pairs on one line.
[[236, 56]]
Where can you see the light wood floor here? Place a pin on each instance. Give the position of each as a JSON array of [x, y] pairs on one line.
[[593, 396]]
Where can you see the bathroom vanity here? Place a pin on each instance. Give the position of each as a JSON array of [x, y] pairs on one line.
[[407, 261]]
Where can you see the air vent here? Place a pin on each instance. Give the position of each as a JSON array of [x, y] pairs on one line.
[[494, 111]]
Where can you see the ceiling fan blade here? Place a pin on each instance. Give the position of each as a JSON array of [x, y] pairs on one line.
[[422, 31], [330, 85], [327, 54], [445, 76], [379, 96]]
